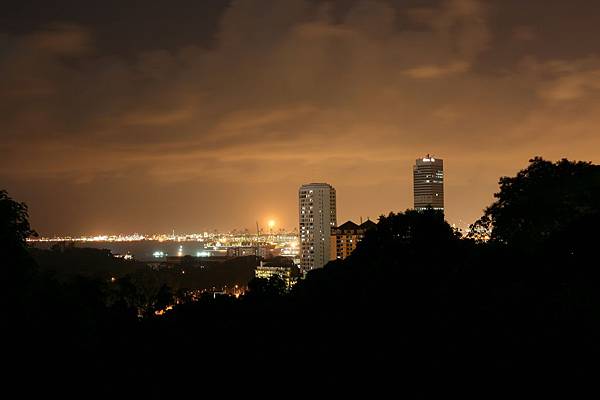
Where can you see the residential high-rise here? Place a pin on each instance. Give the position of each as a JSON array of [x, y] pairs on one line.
[[317, 214], [346, 237], [428, 175]]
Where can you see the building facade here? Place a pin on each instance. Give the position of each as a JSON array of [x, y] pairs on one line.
[[287, 273], [264, 251], [346, 237], [317, 215], [428, 180]]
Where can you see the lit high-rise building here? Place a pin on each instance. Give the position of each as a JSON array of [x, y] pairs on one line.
[[317, 214], [428, 175]]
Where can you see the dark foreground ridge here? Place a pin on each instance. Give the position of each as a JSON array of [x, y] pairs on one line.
[[414, 300]]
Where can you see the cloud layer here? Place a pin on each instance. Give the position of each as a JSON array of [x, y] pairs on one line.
[[195, 137]]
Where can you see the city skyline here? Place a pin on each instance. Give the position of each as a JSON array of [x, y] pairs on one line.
[[209, 115], [421, 171]]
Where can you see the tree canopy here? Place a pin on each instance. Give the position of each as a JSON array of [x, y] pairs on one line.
[[541, 200], [14, 224]]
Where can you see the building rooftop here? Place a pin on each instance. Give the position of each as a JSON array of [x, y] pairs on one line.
[[348, 225], [368, 224], [317, 184], [429, 159]]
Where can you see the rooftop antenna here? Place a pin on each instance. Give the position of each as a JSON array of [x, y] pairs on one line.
[[257, 240]]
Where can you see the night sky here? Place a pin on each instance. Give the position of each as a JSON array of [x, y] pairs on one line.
[[125, 116]]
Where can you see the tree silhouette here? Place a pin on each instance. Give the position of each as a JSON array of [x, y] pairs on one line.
[[19, 268], [14, 224], [263, 288], [540, 200], [163, 298]]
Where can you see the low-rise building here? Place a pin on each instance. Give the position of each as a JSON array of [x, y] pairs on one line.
[[264, 251], [289, 273]]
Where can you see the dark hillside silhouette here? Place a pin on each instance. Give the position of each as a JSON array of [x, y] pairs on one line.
[[67, 261], [414, 299], [93, 263]]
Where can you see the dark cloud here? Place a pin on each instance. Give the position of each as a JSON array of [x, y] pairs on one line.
[[217, 127]]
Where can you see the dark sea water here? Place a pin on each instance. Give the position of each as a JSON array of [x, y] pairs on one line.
[[144, 250]]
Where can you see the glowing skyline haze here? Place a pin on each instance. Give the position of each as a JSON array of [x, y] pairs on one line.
[[123, 117]]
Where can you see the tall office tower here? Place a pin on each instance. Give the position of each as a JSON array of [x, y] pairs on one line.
[[317, 214], [428, 174]]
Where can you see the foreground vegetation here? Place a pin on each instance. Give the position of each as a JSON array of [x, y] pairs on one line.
[[415, 298]]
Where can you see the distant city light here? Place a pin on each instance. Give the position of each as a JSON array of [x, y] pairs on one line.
[[213, 243], [124, 256]]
